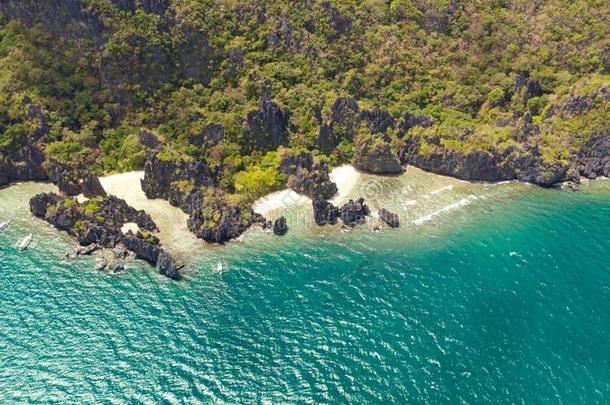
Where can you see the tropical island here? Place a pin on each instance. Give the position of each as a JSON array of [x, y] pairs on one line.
[[220, 103]]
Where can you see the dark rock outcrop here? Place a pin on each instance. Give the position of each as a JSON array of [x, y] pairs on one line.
[[209, 136], [279, 226], [40, 203], [509, 164], [58, 16], [24, 165], [194, 54], [268, 126], [183, 183], [527, 87], [167, 266], [354, 212], [378, 120], [98, 223], [73, 182], [324, 212], [376, 156], [175, 179], [267, 225], [409, 121], [91, 186], [25, 161], [149, 140], [593, 159], [389, 218], [340, 23], [218, 222], [307, 177], [143, 249], [343, 125]]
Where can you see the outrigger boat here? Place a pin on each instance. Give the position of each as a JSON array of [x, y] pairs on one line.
[[4, 224], [25, 242]]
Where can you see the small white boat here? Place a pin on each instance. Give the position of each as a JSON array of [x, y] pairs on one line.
[[25, 242], [4, 224]]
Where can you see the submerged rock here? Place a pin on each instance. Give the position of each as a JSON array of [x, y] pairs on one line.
[[389, 218], [279, 226]]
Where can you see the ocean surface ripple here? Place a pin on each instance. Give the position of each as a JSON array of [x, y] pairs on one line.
[[503, 300]]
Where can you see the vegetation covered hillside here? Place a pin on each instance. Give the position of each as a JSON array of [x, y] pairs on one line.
[[232, 81]]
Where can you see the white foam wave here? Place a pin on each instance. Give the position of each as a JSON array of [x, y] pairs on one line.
[[440, 190], [463, 202]]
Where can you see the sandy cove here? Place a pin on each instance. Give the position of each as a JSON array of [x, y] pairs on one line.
[[171, 221], [174, 233], [273, 205]]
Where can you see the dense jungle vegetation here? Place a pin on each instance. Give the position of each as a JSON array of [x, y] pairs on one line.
[[489, 74]]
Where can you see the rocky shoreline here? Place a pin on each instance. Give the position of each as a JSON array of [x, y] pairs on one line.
[[195, 186], [99, 223]]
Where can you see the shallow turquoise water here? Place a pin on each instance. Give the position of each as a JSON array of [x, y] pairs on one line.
[[504, 301]]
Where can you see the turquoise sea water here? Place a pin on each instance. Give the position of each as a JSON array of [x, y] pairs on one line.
[[505, 300]]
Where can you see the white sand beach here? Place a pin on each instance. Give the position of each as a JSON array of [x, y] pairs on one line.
[[174, 233], [346, 177], [276, 202]]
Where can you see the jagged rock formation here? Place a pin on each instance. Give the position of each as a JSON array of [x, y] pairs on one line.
[[99, 221], [279, 226], [267, 127], [307, 177], [376, 156], [379, 121], [527, 87], [209, 136], [324, 212], [73, 182], [174, 179], [509, 164], [167, 266], [343, 125], [191, 186], [593, 159], [354, 212], [409, 121], [389, 218], [145, 63], [217, 222], [149, 140], [25, 162], [23, 165]]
